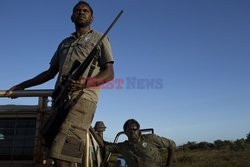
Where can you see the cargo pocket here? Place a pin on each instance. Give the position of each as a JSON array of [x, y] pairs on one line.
[[73, 147]]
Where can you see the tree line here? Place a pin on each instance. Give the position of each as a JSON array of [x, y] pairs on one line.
[[239, 144]]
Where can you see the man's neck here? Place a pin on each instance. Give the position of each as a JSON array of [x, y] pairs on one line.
[[80, 31], [134, 141]]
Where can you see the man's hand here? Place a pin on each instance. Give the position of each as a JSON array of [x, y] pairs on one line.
[[77, 85], [13, 88]]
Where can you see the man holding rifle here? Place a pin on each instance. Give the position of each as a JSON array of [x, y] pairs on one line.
[[67, 147]]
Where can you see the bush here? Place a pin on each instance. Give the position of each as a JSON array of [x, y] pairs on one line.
[[248, 138], [238, 145]]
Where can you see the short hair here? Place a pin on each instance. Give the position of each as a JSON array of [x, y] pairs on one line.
[[85, 3], [129, 122]]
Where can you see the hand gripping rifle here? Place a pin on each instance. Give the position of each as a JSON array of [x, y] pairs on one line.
[[62, 104]]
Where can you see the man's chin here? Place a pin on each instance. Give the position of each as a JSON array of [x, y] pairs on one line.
[[82, 24], [133, 138]]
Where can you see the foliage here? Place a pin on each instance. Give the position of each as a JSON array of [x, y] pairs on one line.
[[248, 138], [239, 144], [212, 158], [220, 153]]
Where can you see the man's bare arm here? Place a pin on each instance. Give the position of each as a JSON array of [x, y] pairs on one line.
[[105, 75], [37, 80], [98, 138]]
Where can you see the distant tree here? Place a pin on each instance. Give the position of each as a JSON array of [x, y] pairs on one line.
[[189, 146], [227, 142], [218, 144], [205, 145], [239, 144], [248, 138]]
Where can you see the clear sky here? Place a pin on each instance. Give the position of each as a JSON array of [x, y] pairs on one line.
[[185, 63]]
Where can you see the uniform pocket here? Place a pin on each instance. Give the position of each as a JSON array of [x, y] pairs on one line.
[[85, 48], [73, 147]]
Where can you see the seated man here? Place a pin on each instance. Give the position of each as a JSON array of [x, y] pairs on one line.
[[140, 150]]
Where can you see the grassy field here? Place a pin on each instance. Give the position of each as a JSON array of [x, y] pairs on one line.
[[213, 158]]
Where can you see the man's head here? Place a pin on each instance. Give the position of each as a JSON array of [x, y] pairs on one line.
[[131, 129], [82, 14], [83, 3]]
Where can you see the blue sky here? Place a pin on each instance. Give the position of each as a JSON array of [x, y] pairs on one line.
[[197, 50]]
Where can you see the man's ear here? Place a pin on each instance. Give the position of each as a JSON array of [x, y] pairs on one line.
[[72, 18], [92, 19]]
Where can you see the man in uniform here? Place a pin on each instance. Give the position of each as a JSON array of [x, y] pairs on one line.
[[141, 150], [68, 146]]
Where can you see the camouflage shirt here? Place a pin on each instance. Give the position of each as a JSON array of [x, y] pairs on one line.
[[146, 153], [73, 48]]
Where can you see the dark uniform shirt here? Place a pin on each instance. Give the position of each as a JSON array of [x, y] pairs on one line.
[[145, 153], [72, 49]]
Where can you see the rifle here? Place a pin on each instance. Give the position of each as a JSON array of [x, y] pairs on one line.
[[63, 104]]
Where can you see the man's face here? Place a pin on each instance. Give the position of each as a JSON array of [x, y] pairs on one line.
[[132, 132], [82, 16]]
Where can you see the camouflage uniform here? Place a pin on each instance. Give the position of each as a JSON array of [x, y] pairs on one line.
[[146, 153], [69, 142]]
